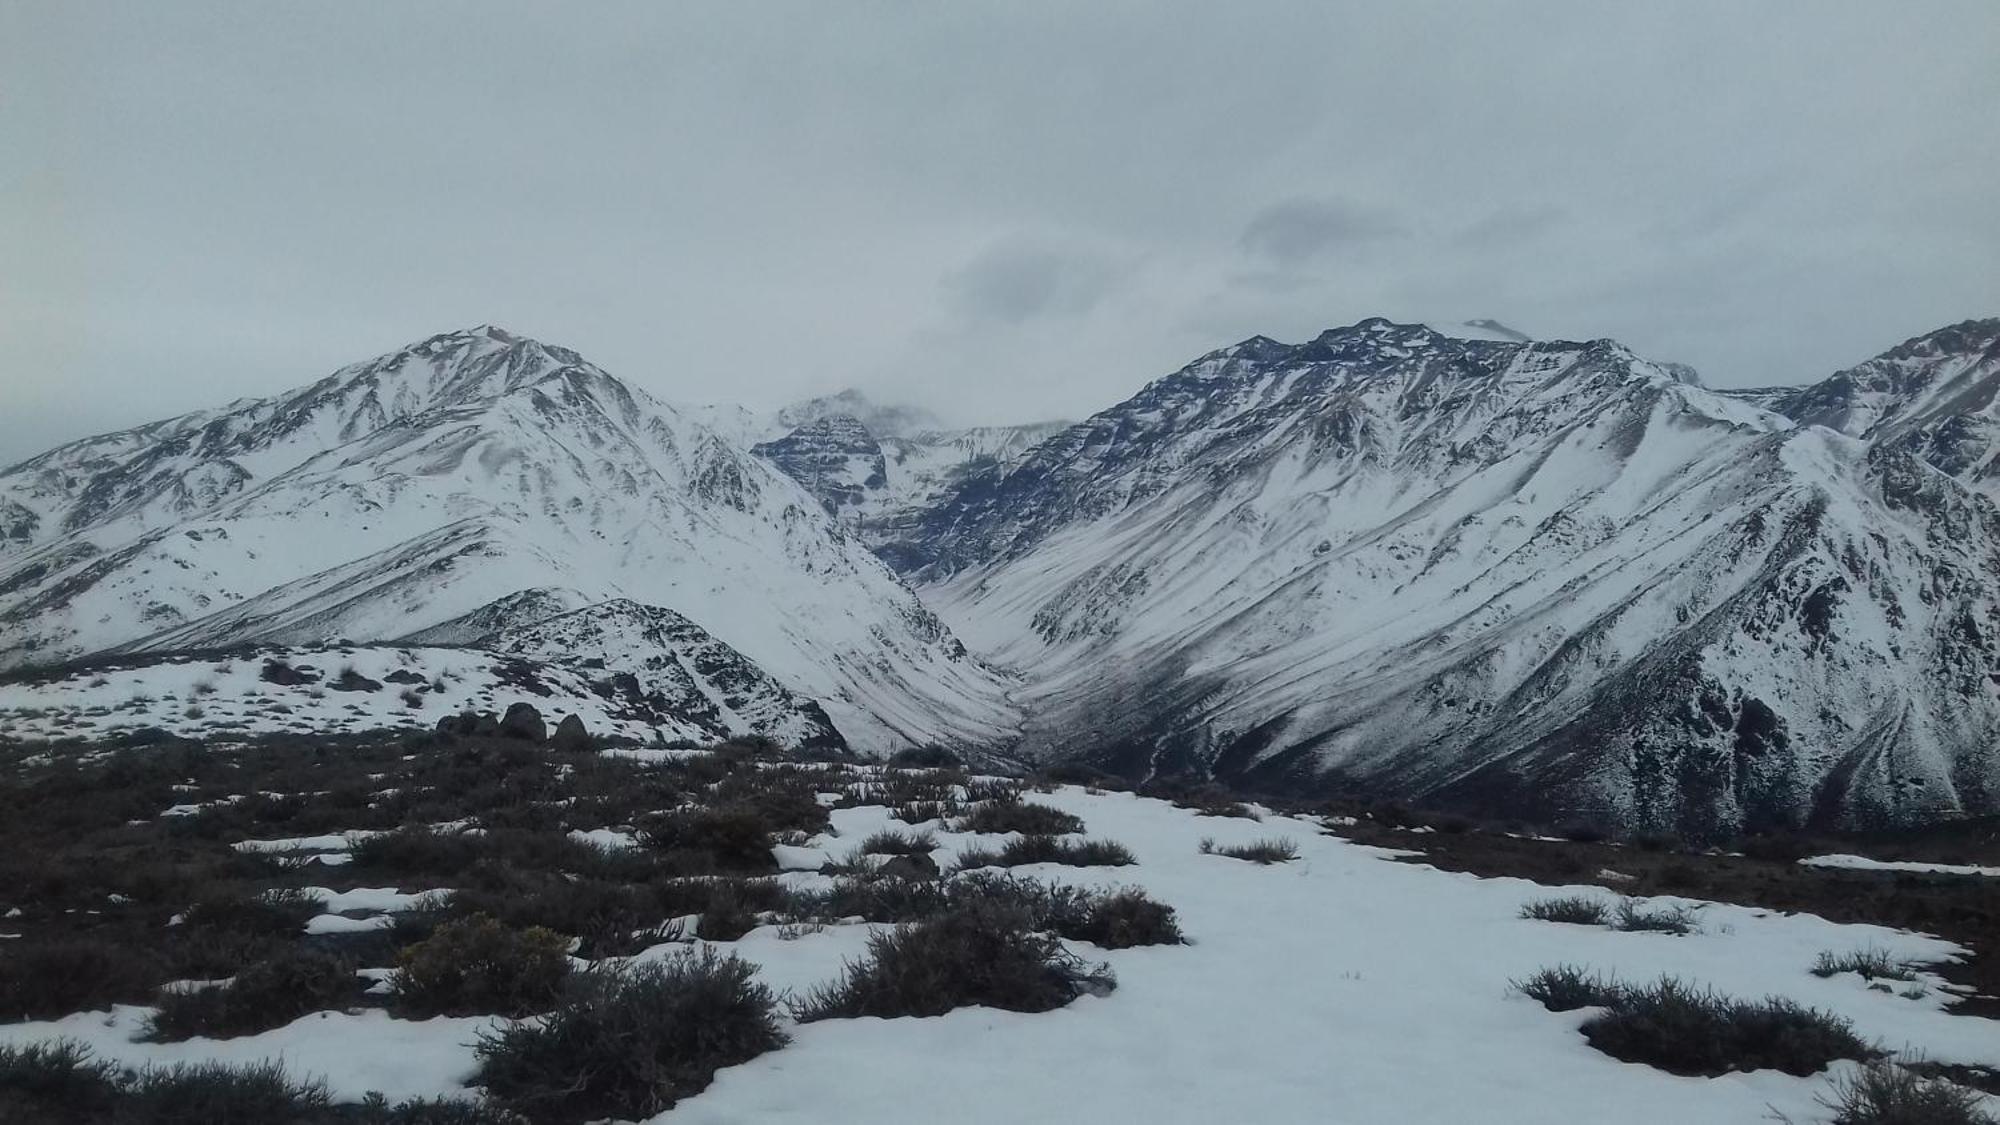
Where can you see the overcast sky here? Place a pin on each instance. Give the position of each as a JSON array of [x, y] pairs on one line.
[[1005, 211]]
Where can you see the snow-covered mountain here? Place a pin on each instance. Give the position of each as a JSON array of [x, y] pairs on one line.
[[1936, 397], [403, 494], [878, 467], [1543, 577]]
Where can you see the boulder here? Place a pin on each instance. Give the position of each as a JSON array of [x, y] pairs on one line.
[[571, 735], [524, 722]]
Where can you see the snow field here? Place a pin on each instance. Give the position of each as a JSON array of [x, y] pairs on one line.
[[1343, 986]]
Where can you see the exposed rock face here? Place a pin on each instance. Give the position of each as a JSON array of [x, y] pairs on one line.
[[836, 459]]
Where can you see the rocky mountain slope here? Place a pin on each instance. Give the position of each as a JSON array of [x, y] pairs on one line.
[[1935, 397], [1530, 578], [878, 468], [403, 494]]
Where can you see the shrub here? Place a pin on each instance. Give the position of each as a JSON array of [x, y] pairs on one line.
[[1115, 920], [1124, 919], [921, 812], [924, 758], [476, 966], [1213, 800], [1014, 815], [1874, 964], [1582, 832], [43, 979], [1275, 850], [631, 1042], [376, 1110], [731, 913], [1884, 1094], [277, 913], [265, 995], [1635, 918], [1580, 910], [417, 851], [899, 843], [734, 839], [54, 1083], [1049, 849], [214, 1094], [985, 954], [1677, 1029], [1566, 988]]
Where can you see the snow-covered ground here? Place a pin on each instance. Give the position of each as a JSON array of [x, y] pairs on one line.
[[218, 696], [1863, 863], [1342, 987]]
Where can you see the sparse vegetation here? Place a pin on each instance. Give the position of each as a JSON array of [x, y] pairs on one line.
[[1579, 910], [1049, 849], [1680, 1029], [477, 965], [899, 843], [1566, 988], [265, 995], [1874, 964], [1883, 1093], [1015, 815], [630, 1043], [1633, 917], [984, 954], [1274, 850], [46, 979]]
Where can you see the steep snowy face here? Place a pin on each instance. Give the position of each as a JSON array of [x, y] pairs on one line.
[[1936, 397], [404, 494], [1527, 577], [153, 475]]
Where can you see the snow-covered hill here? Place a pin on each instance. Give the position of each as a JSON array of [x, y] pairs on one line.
[[1535, 577], [401, 495]]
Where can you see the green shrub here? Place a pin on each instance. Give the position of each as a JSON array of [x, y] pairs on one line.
[[265, 995], [984, 954], [631, 1042], [477, 966]]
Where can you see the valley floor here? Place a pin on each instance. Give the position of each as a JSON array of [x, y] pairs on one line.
[[1345, 985]]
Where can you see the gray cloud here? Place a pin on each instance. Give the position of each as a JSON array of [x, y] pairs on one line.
[[1003, 210], [1296, 231], [1016, 281]]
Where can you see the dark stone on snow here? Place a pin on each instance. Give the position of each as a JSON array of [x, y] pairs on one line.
[[524, 722], [351, 680], [571, 735]]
